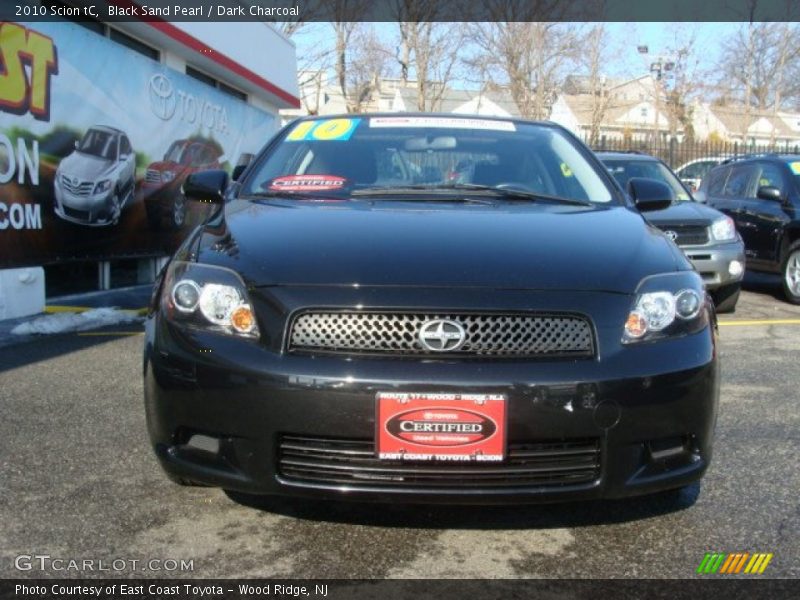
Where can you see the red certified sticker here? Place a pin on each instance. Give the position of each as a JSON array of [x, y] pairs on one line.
[[442, 427], [307, 183]]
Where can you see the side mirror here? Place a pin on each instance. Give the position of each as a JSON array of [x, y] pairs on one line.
[[75, 144], [237, 172], [206, 186], [700, 196], [650, 194], [769, 192]]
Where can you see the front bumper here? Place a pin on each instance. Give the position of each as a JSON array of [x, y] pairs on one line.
[[713, 263], [93, 209], [650, 409]]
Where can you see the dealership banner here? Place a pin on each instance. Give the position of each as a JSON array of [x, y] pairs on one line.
[[96, 141]]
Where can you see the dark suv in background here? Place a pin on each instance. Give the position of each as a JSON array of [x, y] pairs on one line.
[[707, 237], [760, 193]]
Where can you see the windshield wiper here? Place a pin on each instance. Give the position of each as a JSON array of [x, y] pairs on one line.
[[501, 192]]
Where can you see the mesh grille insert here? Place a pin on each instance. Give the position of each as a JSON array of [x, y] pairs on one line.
[[483, 334], [353, 463]]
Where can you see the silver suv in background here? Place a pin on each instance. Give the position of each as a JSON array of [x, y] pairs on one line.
[[707, 237], [95, 182]]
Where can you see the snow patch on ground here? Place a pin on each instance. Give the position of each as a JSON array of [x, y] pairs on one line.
[[65, 322]]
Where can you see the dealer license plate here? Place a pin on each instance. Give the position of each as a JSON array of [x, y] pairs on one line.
[[441, 427]]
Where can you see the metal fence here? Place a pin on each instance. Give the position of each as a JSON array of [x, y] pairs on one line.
[[676, 153]]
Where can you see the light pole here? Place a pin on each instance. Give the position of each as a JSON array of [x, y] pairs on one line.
[[660, 69]]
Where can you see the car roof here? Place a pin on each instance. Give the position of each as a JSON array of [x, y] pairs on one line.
[[107, 128]]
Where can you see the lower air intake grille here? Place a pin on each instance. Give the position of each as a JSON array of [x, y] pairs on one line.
[[502, 335], [353, 463]]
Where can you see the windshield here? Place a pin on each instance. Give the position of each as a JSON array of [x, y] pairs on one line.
[[623, 169], [99, 143], [175, 152], [337, 157]]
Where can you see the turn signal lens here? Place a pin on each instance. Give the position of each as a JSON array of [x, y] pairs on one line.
[[635, 326], [242, 319]]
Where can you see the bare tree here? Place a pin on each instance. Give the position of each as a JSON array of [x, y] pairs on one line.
[[428, 46], [595, 58], [757, 62], [368, 64], [529, 56]]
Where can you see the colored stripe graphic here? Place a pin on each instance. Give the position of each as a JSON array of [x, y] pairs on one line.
[[731, 564]]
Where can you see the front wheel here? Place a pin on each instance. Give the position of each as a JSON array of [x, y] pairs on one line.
[[791, 274], [178, 211]]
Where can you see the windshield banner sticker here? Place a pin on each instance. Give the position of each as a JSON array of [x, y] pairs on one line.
[[442, 123], [795, 167], [329, 130], [307, 183]]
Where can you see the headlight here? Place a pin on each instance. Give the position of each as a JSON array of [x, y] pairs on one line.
[[167, 176], [723, 230], [102, 186], [208, 297], [668, 305]]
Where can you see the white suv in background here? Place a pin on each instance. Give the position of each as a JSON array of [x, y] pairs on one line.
[[692, 172], [95, 182]]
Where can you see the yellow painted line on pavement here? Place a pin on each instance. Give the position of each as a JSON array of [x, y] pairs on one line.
[[736, 323], [62, 309]]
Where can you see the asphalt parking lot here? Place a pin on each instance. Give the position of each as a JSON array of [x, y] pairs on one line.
[[79, 481]]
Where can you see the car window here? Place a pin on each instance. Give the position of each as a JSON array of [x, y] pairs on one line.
[[102, 144], [696, 170], [739, 184], [623, 169], [125, 146], [356, 153], [715, 181], [771, 174]]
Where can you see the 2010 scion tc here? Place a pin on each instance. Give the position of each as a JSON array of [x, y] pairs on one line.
[[430, 308]]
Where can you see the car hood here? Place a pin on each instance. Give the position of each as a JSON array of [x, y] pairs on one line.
[[165, 165], [85, 166], [684, 213], [519, 246]]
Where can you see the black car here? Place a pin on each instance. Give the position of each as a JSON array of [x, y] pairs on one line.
[[350, 323], [708, 238], [762, 195]]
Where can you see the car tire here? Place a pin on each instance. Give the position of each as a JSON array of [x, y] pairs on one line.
[[790, 273], [115, 208], [726, 297], [178, 212]]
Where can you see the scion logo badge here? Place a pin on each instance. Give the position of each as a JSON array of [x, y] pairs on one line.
[[162, 97], [673, 235], [442, 335]]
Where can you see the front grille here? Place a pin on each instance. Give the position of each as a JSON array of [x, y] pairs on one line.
[[353, 463], [484, 334], [152, 176], [688, 235], [77, 188]]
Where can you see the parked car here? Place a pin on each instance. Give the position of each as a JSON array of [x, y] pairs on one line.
[[96, 181], [525, 336], [163, 200], [708, 237], [761, 194], [692, 172]]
